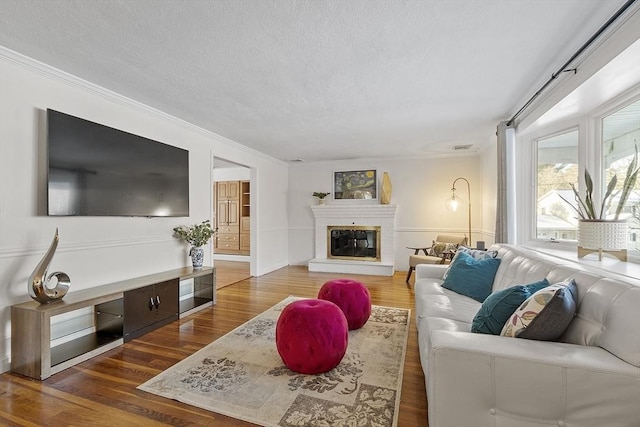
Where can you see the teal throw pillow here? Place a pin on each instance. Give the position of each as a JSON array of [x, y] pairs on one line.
[[474, 253], [500, 305], [471, 277]]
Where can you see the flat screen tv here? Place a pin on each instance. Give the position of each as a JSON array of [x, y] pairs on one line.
[[96, 170]]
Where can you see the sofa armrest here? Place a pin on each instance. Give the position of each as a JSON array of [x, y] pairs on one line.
[[431, 271], [488, 380]]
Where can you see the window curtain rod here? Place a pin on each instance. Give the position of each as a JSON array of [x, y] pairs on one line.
[[565, 68]]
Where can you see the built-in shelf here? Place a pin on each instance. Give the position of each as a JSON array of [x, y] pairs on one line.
[[189, 304], [79, 346]]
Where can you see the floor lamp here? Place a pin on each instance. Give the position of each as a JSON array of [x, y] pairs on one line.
[[454, 201]]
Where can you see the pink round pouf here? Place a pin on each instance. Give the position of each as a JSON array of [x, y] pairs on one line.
[[352, 297], [312, 336]]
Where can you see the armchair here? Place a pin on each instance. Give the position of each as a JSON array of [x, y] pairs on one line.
[[437, 253]]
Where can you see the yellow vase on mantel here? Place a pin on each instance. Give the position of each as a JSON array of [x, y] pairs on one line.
[[385, 196]]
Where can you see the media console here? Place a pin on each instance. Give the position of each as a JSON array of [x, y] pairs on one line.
[[122, 311]]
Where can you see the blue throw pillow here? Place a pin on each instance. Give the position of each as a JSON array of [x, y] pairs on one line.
[[500, 305], [471, 277], [474, 253]]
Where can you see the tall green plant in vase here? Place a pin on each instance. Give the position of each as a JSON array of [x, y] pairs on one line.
[[197, 235], [596, 233]]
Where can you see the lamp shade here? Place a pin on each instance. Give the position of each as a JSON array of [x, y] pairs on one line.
[[453, 203]]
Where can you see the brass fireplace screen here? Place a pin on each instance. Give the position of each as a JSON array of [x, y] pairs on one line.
[[353, 242]]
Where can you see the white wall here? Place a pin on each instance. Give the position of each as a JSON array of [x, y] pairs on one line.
[[489, 176], [100, 250], [420, 188], [231, 174]]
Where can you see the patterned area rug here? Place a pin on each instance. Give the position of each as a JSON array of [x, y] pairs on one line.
[[241, 375]]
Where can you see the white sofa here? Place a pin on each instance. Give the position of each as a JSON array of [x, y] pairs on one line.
[[591, 377]]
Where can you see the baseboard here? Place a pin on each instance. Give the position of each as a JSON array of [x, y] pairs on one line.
[[350, 267], [5, 365]]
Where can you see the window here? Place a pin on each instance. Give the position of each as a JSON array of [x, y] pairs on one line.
[[557, 169], [620, 137]]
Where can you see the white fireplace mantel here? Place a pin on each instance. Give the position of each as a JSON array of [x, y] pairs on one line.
[[383, 216]]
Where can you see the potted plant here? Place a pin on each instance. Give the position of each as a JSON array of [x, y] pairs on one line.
[[320, 196], [595, 230], [197, 235]]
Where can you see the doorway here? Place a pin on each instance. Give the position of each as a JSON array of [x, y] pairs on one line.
[[232, 218]]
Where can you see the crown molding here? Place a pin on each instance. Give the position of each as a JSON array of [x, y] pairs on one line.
[[72, 80]]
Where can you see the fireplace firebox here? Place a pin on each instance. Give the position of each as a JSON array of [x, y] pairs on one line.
[[353, 242]]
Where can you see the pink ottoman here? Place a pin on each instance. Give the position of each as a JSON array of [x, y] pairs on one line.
[[352, 297], [311, 336]]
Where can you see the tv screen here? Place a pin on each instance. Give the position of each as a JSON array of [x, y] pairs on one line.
[[95, 170]]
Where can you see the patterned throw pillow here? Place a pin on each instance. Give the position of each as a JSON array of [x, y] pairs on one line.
[[546, 314], [473, 253], [438, 248]]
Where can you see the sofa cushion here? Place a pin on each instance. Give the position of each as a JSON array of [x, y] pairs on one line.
[[544, 315], [426, 327], [520, 265], [500, 305], [471, 277], [455, 307]]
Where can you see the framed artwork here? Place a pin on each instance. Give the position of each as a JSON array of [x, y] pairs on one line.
[[359, 184]]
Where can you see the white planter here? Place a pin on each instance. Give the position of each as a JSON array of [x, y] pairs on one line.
[[606, 235], [603, 236]]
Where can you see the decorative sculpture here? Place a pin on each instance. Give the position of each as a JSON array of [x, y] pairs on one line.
[[39, 290]]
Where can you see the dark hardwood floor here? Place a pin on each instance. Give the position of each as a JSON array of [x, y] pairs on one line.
[[102, 391], [230, 272]]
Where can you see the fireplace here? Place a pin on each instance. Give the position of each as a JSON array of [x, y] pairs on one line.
[[363, 239], [353, 242]]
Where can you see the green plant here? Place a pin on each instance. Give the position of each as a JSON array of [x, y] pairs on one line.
[[320, 195], [636, 213], [587, 208], [197, 235]]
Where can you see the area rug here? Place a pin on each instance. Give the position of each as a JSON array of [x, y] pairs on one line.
[[242, 376]]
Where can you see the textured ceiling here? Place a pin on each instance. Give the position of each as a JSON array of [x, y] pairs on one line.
[[315, 79]]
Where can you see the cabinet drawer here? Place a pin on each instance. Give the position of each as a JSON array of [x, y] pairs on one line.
[[225, 238], [229, 245], [228, 229]]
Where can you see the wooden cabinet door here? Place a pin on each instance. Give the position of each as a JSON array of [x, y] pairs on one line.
[[221, 190], [149, 305], [166, 296], [233, 190], [228, 190], [233, 212], [222, 212], [139, 310], [228, 204]]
